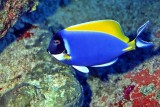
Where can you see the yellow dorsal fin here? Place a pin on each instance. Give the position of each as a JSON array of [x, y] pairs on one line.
[[106, 26]]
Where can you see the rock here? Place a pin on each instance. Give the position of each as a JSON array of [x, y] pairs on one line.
[[11, 10], [47, 90], [32, 77]]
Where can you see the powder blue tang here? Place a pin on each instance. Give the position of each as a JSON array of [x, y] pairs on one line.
[[95, 44]]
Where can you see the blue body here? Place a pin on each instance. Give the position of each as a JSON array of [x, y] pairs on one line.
[[88, 48]]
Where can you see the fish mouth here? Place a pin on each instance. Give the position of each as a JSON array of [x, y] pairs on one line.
[[50, 52]]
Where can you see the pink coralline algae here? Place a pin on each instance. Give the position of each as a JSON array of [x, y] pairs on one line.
[[103, 98], [127, 91], [157, 33], [126, 96], [25, 35], [141, 79]]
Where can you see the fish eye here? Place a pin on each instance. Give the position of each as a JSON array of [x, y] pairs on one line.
[[57, 42]]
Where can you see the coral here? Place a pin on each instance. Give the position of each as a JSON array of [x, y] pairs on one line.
[[11, 11], [103, 98], [145, 101], [157, 97], [146, 85], [143, 77], [146, 90], [127, 90], [110, 93], [25, 35], [157, 33]]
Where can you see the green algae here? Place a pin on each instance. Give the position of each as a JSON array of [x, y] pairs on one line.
[[157, 97], [146, 90]]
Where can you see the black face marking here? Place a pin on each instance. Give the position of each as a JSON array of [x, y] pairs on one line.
[[56, 45]]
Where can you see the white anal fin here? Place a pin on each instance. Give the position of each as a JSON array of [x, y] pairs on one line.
[[81, 68], [106, 64]]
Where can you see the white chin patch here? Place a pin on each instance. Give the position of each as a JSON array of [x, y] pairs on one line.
[[59, 56]]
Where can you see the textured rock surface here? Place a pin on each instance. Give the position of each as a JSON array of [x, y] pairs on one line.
[[11, 10], [46, 90], [31, 77]]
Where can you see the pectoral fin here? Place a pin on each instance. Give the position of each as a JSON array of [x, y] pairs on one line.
[[81, 68], [67, 57], [106, 64]]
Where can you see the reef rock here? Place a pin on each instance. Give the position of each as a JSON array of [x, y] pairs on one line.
[[29, 76], [11, 10]]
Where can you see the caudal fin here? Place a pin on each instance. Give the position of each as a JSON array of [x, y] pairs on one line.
[[139, 42]]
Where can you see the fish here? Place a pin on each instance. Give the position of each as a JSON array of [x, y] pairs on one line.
[[93, 44]]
